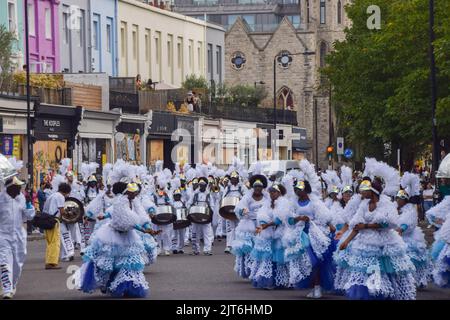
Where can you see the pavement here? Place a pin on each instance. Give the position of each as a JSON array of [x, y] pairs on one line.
[[180, 277]]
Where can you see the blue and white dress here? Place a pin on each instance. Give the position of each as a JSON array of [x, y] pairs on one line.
[[416, 244], [114, 261], [245, 233], [441, 256], [375, 265], [315, 241], [266, 270], [439, 211]]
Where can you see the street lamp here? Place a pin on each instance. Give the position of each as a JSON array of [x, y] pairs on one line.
[[284, 58], [27, 63]]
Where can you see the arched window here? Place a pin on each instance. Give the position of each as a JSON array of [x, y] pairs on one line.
[[307, 11], [285, 99], [323, 53], [339, 12], [322, 12]]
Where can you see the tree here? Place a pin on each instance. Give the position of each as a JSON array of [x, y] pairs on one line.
[[7, 40], [247, 95], [193, 82], [380, 78]]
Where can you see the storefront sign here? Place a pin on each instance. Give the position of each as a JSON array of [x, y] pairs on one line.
[[7, 145], [162, 123], [130, 127], [299, 144], [53, 129]]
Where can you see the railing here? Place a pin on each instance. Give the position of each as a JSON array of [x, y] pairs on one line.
[[61, 96], [123, 84], [173, 99]]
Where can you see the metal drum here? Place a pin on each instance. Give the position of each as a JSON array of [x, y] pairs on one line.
[[200, 215], [227, 208], [73, 211], [164, 215], [182, 219]]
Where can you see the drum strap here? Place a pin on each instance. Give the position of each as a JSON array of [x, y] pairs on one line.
[[229, 190]]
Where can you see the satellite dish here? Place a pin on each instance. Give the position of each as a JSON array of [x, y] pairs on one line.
[[119, 136]]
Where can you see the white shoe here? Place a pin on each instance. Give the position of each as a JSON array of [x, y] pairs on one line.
[[227, 250], [8, 295], [167, 253], [316, 293]]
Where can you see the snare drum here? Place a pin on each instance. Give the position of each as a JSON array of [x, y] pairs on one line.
[[182, 219], [200, 215], [227, 208], [164, 215]]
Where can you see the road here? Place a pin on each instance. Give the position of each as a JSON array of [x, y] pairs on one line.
[[180, 277]]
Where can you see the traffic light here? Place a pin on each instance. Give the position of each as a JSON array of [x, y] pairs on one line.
[[330, 150]]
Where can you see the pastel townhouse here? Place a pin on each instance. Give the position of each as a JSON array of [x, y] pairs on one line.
[[11, 16], [43, 35]]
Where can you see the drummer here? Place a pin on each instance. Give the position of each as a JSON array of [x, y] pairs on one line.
[[234, 189], [179, 235], [202, 197], [88, 225], [77, 193], [161, 198]]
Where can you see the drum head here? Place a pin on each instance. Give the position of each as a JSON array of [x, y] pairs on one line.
[[181, 224], [200, 218], [164, 219], [227, 212]]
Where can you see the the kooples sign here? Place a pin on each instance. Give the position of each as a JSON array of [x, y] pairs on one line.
[[53, 129]]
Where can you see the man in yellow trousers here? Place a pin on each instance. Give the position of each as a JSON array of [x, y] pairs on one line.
[[54, 206]]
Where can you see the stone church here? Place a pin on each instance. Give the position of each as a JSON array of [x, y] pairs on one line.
[[249, 58]]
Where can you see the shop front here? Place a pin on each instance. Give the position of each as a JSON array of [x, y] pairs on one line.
[[95, 139], [264, 141], [54, 129], [299, 143], [238, 140], [211, 141], [13, 130], [128, 141], [159, 140]]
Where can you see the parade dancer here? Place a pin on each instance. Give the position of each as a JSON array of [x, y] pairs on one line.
[[161, 198], [312, 217], [264, 270], [88, 171], [202, 197], [437, 215], [332, 183], [234, 189], [179, 235], [114, 261], [221, 229], [246, 211], [441, 256], [374, 264], [414, 238], [15, 209]]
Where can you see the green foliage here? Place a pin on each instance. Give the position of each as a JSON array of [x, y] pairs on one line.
[[247, 95], [380, 78], [193, 82], [6, 49]]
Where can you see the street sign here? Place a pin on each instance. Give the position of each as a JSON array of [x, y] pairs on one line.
[[348, 153], [340, 146]]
